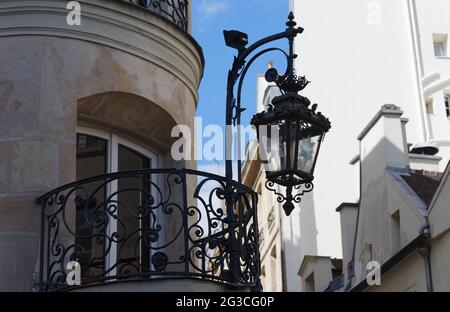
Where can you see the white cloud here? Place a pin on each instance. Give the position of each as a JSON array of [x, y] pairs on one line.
[[210, 8]]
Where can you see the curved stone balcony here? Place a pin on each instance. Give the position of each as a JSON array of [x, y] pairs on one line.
[[152, 231], [154, 30]]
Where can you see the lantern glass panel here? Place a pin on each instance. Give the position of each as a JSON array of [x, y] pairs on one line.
[[294, 143], [308, 147], [299, 144]]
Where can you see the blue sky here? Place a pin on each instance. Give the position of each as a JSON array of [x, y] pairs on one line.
[[257, 18]]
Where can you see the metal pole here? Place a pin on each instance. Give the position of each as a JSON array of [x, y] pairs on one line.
[[234, 258]]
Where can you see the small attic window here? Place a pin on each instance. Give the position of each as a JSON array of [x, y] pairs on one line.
[[440, 45], [395, 232]]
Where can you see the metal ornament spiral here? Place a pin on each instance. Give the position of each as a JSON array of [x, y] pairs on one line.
[[176, 11]]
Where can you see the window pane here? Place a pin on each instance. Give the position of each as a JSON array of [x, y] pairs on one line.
[[133, 193], [439, 49], [89, 246]]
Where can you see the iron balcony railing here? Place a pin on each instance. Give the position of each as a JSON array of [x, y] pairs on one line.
[[176, 11], [149, 224]]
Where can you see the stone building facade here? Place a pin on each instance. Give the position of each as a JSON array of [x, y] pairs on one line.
[[396, 238], [116, 84]]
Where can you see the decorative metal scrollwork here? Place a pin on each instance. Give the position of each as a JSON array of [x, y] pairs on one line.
[[289, 199], [176, 11], [151, 223]]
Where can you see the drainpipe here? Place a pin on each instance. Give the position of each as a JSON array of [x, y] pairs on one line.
[[425, 252], [418, 69]]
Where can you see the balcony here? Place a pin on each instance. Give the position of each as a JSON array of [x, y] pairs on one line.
[[176, 11], [148, 226]]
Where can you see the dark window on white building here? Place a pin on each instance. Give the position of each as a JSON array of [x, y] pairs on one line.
[[440, 45], [447, 105], [439, 49]]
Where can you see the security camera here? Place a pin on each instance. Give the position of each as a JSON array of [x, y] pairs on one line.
[[235, 39]]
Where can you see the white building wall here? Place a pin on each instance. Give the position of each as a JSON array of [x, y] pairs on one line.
[[359, 55], [433, 19], [299, 233]]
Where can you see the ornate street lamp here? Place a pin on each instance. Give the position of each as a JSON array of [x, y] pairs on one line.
[[300, 131], [290, 116]]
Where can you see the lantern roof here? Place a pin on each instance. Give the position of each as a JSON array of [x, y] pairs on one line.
[[294, 107]]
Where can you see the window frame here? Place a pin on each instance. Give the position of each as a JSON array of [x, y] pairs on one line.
[[113, 141], [440, 39]]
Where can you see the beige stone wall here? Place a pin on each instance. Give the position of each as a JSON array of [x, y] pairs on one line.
[[411, 219], [407, 276], [47, 71], [317, 270], [440, 262]]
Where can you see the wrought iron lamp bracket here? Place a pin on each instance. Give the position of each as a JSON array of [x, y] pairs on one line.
[[289, 199], [240, 65], [239, 70]]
